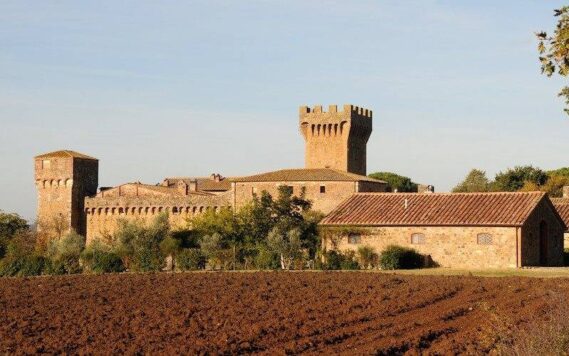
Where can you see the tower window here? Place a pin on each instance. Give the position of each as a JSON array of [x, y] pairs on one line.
[[45, 164], [322, 189]]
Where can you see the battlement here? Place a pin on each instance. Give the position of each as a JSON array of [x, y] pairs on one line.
[[332, 109]]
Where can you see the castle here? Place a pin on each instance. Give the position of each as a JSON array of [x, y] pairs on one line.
[[335, 168]]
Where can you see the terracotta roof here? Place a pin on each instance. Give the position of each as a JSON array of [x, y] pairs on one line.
[[204, 183], [467, 209], [306, 174], [562, 206], [65, 154]]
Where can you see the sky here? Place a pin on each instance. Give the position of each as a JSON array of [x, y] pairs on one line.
[[189, 88]]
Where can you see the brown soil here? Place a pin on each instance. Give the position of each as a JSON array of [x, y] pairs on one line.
[[267, 312]]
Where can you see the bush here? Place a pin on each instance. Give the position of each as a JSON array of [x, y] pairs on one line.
[[29, 265], [98, 258], [64, 254], [189, 259], [266, 258], [335, 260], [368, 257], [397, 257]]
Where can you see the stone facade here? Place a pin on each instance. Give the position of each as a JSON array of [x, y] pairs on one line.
[[336, 139], [63, 180]]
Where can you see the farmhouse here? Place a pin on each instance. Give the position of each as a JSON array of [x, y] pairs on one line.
[[460, 230]]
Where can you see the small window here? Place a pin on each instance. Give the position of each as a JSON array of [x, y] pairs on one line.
[[322, 189], [253, 190], [484, 239], [45, 164], [354, 239], [417, 239]]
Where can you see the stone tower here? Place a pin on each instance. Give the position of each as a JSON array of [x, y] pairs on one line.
[[336, 139], [63, 180]]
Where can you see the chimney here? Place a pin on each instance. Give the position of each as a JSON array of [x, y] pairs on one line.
[[216, 177], [193, 186], [166, 183], [566, 191]]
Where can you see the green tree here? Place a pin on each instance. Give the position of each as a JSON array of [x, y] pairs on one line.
[[395, 181], [287, 244], [475, 181], [564, 172], [554, 50], [514, 179], [10, 226], [64, 254]]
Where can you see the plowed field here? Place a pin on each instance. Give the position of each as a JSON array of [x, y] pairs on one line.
[[270, 312]]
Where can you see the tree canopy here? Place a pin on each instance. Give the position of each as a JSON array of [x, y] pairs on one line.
[[395, 181], [554, 50], [475, 181]]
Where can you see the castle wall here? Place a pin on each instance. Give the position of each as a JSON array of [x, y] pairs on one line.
[[334, 192], [449, 246], [336, 139], [104, 212]]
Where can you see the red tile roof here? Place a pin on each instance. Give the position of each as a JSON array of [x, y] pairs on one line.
[[306, 174], [465, 209], [65, 154]]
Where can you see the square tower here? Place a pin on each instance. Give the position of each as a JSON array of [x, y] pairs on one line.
[[63, 180], [336, 139]]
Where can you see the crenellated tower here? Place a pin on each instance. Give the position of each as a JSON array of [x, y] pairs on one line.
[[63, 180], [336, 139]]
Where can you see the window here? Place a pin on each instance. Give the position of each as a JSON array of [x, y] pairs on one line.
[[253, 190], [484, 239], [45, 164], [322, 189], [417, 239], [354, 239]]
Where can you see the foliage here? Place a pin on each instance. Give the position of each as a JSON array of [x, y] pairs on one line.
[[367, 257], [64, 254], [564, 172], [140, 246], [27, 265], [287, 245], [335, 260], [10, 226], [266, 258], [475, 181], [395, 181], [189, 259], [99, 258], [554, 50], [241, 237], [514, 179], [397, 257]]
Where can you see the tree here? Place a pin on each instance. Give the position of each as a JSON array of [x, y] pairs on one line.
[[514, 179], [395, 181], [475, 181], [10, 226], [64, 254], [287, 244], [554, 50]]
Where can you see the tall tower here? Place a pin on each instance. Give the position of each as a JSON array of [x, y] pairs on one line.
[[336, 139], [63, 180]]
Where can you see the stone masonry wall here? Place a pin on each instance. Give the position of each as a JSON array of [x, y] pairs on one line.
[[455, 247], [530, 252], [336, 139]]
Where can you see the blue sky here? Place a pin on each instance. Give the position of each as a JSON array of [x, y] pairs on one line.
[[166, 88]]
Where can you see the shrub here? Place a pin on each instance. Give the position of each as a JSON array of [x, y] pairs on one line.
[[98, 258], [368, 257], [335, 260], [190, 259], [397, 257], [64, 254], [28, 265], [266, 258]]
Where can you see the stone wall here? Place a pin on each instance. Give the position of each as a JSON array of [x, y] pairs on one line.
[[449, 246], [531, 235], [104, 212], [62, 184], [324, 201], [336, 139]]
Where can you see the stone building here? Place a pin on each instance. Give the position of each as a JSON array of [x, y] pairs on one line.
[[335, 154], [461, 230], [562, 206], [63, 180]]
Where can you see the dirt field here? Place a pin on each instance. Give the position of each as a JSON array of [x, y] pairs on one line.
[[272, 312]]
